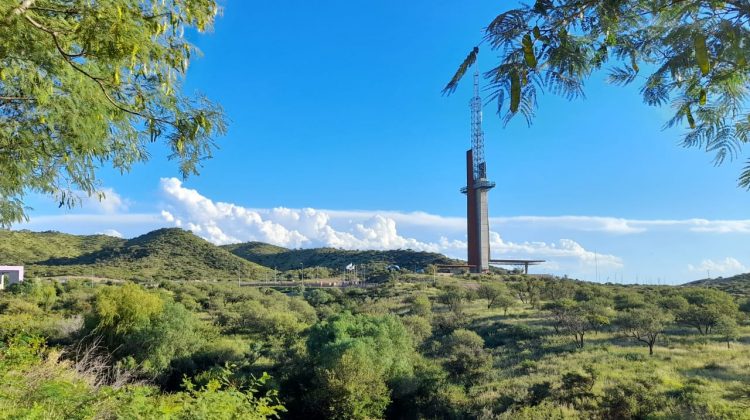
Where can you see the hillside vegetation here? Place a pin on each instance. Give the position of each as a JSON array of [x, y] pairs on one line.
[[508, 347], [176, 254], [164, 254], [25, 247], [332, 258], [737, 285]]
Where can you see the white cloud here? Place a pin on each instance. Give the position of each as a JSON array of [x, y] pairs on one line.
[[612, 225], [564, 238], [109, 203], [729, 266], [616, 225], [224, 223], [110, 232], [720, 226], [600, 224], [562, 249]]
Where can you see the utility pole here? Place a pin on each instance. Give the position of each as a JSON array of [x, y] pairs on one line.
[[596, 264]]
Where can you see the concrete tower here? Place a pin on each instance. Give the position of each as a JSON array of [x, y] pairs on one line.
[[477, 187]]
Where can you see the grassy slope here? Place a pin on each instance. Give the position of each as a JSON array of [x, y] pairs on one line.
[[682, 359], [25, 247], [162, 254], [177, 254], [288, 259], [737, 285]]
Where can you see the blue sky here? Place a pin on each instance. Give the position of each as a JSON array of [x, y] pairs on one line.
[[335, 107]]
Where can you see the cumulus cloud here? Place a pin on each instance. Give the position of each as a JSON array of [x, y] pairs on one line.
[[728, 266], [224, 223], [562, 249], [110, 232]]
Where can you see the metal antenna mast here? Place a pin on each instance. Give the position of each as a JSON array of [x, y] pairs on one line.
[[477, 135]]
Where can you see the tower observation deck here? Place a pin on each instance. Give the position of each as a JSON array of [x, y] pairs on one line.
[[476, 189]]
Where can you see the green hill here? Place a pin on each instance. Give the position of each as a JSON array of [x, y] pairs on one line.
[[737, 285], [336, 259], [255, 250], [25, 247], [176, 254], [164, 254]]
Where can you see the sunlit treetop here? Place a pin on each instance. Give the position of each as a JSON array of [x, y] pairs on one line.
[[689, 54], [86, 83]]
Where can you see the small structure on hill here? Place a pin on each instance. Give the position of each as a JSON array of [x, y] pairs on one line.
[[10, 274], [518, 263]]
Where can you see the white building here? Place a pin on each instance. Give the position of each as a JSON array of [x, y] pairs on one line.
[[10, 274]]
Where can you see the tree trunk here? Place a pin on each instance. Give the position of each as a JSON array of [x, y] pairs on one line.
[[650, 349]]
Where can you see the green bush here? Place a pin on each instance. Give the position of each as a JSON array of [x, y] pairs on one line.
[[35, 383]]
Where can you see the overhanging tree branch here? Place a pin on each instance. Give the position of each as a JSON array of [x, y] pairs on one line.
[[21, 9], [98, 80]]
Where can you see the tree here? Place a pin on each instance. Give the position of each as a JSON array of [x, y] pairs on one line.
[[578, 318], [598, 312], [558, 310], [745, 306], [151, 329], [86, 83], [527, 290], [421, 306], [726, 327], [644, 324], [355, 357], [694, 53], [453, 297], [576, 387], [492, 292], [629, 300], [673, 303], [41, 293], [466, 359], [354, 387], [505, 301], [705, 308]]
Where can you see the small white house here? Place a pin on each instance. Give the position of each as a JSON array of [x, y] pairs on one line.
[[10, 274]]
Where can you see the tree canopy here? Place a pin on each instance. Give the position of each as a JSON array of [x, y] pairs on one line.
[[85, 84], [690, 54]]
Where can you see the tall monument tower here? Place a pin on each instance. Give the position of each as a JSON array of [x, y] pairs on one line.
[[476, 189]]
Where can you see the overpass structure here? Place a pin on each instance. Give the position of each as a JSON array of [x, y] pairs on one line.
[[518, 263]]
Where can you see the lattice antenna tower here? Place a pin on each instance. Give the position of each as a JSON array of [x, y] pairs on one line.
[[477, 134]]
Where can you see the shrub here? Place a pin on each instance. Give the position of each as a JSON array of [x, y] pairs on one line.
[[635, 399], [135, 323], [421, 305], [466, 359]]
